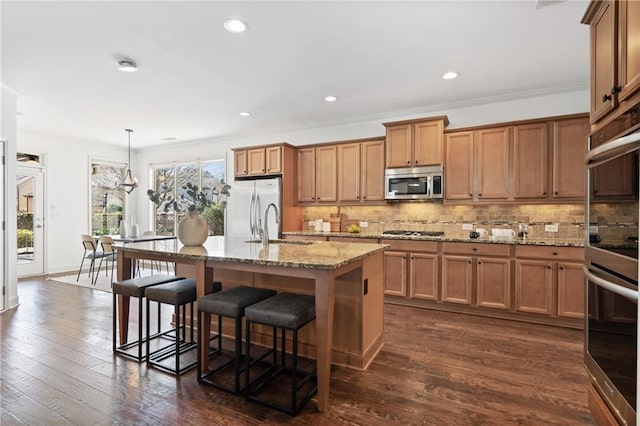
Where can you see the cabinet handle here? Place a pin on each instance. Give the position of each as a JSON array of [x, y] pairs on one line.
[[408, 162], [606, 97], [474, 249], [364, 197], [413, 258], [470, 195], [555, 253], [615, 89], [479, 195], [544, 193], [548, 266], [479, 263], [555, 193], [469, 262], [562, 268], [416, 161]]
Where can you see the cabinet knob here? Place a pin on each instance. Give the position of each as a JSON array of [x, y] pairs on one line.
[[408, 162], [479, 263], [615, 89], [416, 161], [555, 193], [562, 268], [364, 197], [469, 262], [606, 97], [479, 195], [555, 253], [548, 266], [470, 195], [413, 258], [474, 249], [544, 193]]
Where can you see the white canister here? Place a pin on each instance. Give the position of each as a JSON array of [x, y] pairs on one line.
[[134, 231], [123, 228], [318, 225], [326, 226]]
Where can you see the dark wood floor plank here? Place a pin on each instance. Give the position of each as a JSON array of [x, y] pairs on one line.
[[436, 368]]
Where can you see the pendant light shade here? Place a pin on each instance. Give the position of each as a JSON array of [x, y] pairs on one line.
[[129, 182]]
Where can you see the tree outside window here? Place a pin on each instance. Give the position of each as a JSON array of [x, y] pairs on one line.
[[107, 201], [170, 180]]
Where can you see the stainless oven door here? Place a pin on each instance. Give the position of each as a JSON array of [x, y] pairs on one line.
[[611, 339]]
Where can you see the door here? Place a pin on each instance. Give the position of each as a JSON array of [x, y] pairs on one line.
[[4, 295], [30, 219]]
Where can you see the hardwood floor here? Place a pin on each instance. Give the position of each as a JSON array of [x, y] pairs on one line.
[[436, 368]]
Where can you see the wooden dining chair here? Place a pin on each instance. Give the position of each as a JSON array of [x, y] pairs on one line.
[[91, 253], [109, 255]]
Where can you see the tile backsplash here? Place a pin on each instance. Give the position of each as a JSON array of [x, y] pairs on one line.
[[450, 218]]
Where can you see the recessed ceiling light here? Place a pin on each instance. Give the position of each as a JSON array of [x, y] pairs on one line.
[[127, 66], [170, 139], [330, 98], [244, 113], [234, 25], [450, 75]]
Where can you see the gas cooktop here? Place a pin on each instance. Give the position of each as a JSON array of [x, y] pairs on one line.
[[415, 233]]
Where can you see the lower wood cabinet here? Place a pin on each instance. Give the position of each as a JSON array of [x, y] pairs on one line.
[[411, 269], [477, 275], [549, 281]]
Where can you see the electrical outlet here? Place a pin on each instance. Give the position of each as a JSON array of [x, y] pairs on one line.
[[467, 227], [364, 224], [593, 229], [551, 228]]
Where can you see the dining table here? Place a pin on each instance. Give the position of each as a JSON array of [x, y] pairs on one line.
[[321, 262]]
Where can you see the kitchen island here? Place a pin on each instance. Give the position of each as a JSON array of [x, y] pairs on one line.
[[328, 270]]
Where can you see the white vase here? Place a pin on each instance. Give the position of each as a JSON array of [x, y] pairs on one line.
[[193, 230]]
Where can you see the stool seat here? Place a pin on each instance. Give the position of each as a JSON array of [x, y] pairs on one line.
[[174, 292], [229, 303], [135, 287], [232, 303], [284, 310]]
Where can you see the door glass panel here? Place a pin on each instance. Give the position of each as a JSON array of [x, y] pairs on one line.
[[25, 193]]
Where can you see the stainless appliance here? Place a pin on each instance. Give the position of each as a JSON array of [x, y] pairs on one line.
[[611, 264], [415, 183], [247, 204]]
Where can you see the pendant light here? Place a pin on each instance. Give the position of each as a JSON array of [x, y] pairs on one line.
[[129, 182]]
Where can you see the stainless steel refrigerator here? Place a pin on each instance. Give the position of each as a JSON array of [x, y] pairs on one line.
[[247, 204]]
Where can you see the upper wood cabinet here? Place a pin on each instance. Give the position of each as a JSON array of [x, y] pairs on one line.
[[615, 54], [534, 161], [259, 161], [415, 143], [317, 174], [361, 172], [569, 149]]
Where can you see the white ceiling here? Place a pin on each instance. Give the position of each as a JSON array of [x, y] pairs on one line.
[[378, 57]]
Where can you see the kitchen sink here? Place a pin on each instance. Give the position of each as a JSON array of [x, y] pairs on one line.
[[296, 242]]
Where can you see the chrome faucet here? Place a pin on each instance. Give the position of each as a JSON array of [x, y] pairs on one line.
[[265, 228]]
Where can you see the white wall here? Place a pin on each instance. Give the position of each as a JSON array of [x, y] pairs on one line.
[[67, 162], [66, 187], [8, 132]]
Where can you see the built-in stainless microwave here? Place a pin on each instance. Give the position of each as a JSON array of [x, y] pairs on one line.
[[414, 183]]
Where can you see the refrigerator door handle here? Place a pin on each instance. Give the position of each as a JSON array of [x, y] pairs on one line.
[[252, 225]]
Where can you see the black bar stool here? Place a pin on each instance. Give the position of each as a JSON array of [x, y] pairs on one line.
[[285, 311], [135, 287], [179, 294], [229, 303]]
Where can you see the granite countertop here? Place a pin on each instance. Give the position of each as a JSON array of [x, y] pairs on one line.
[[293, 254], [556, 242]]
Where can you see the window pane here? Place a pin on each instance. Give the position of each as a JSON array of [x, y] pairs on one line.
[[212, 178], [107, 201], [165, 186]]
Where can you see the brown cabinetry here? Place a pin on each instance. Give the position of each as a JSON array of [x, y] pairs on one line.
[[317, 174], [615, 55], [411, 269], [477, 274], [361, 172], [534, 161], [415, 143], [260, 161], [549, 281]]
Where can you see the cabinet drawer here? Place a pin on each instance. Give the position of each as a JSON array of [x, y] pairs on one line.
[[354, 240], [411, 246], [477, 249], [550, 252]]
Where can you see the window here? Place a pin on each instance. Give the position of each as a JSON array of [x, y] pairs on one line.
[[169, 181], [107, 201]]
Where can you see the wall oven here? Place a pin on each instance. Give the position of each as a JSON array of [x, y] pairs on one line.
[[611, 264]]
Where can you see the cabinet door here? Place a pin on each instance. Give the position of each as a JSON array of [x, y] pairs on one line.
[[423, 276], [399, 146], [629, 72], [569, 150], [603, 61], [326, 173], [427, 143], [306, 174], [534, 284], [458, 166], [349, 172], [571, 285], [530, 144], [395, 273], [372, 182], [492, 163], [274, 159], [456, 279], [256, 161], [494, 283], [240, 163]]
